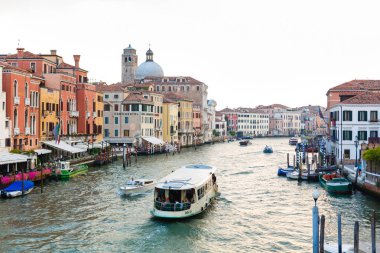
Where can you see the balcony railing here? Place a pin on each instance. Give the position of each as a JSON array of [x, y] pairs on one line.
[[185, 131], [173, 207], [27, 101], [16, 131], [17, 100], [94, 114], [74, 114], [88, 114], [27, 130]]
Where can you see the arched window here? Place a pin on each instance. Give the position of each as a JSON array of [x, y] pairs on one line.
[[15, 119], [158, 88], [15, 90], [26, 118], [26, 90]]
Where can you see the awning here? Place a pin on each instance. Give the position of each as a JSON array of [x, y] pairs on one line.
[[6, 158], [153, 140], [81, 146], [42, 151], [119, 140], [63, 146]]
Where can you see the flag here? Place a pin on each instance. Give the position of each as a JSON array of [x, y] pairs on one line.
[[321, 114], [56, 131]]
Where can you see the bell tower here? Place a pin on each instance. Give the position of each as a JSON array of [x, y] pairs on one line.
[[128, 64]]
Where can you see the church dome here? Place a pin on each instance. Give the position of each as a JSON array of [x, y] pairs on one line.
[[149, 67]]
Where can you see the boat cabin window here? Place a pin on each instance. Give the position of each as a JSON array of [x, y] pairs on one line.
[[201, 192]]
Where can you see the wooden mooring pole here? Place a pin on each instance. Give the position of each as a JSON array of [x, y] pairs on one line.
[[124, 155], [373, 232], [322, 235], [339, 233], [294, 162], [315, 230], [356, 237], [287, 159]]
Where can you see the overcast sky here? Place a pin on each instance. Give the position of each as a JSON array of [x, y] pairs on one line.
[[247, 52]]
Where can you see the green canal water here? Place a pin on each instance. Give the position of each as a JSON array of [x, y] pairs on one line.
[[257, 211]]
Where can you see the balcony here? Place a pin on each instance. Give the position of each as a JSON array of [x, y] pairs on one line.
[[173, 133], [74, 114], [27, 101], [88, 114], [17, 100], [94, 114], [185, 131], [27, 130], [16, 131], [374, 120]]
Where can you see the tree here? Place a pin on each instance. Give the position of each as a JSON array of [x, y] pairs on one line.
[[232, 133]]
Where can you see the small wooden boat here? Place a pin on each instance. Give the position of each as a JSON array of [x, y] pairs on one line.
[[334, 183], [311, 176], [244, 143], [15, 189], [137, 186], [268, 150], [283, 171], [65, 172]]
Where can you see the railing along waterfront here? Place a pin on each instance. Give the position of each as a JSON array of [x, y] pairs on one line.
[[172, 206]]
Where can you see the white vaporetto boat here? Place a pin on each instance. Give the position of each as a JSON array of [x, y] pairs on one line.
[[137, 186], [185, 192]]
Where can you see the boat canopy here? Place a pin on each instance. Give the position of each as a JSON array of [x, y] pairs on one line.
[[63, 146], [187, 177], [17, 186], [153, 140], [42, 151]]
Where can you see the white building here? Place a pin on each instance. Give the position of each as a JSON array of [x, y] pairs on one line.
[[210, 123], [355, 117], [5, 140], [221, 124], [286, 122], [252, 122]]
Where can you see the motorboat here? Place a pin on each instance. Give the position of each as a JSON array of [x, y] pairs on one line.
[[244, 142], [334, 183], [16, 189], [137, 186], [185, 192], [268, 150], [66, 172], [293, 141], [283, 171], [305, 176]]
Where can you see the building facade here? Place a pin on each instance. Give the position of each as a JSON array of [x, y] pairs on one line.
[[170, 121], [49, 112], [5, 141]]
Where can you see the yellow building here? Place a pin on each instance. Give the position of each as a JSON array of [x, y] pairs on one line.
[[185, 122], [98, 124], [49, 110], [170, 121]]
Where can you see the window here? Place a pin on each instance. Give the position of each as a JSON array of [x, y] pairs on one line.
[[116, 108], [126, 133], [158, 88], [347, 135], [116, 96], [347, 154], [362, 135], [362, 115], [347, 115], [135, 108], [116, 132], [107, 108], [106, 96], [373, 116], [106, 120], [197, 88], [116, 120], [373, 134], [163, 88], [106, 132], [126, 120], [15, 88]]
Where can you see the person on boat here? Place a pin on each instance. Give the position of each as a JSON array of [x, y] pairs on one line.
[[213, 178]]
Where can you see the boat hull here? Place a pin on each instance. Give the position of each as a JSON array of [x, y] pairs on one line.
[[282, 172], [66, 174], [135, 190], [338, 187]]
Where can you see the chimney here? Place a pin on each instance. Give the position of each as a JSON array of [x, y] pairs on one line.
[[53, 52], [76, 59], [20, 52]]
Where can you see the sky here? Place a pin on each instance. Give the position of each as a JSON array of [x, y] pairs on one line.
[[248, 52]]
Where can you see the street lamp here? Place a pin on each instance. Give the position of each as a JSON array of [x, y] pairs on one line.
[[356, 150], [315, 195]]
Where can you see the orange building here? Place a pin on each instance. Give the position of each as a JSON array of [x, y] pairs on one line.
[[22, 89]]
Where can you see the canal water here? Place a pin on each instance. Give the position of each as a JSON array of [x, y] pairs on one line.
[[257, 211]]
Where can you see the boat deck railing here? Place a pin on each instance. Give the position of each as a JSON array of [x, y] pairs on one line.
[[162, 206]]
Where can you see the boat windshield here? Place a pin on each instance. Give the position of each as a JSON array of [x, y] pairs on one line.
[[173, 200]]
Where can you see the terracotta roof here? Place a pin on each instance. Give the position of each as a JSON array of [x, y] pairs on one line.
[[65, 65], [169, 100], [175, 96], [8, 66], [357, 85], [369, 97], [102, 87], [172, 80], [26, 55], [272, 106], [137, 98], [227, 110]]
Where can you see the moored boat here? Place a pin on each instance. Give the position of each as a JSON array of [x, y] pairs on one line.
[[66, 172], [268, 150], [334, 183], [244, 143], [15, 189], [293, 141], [137, 186], [185, 192], [283, 171]]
